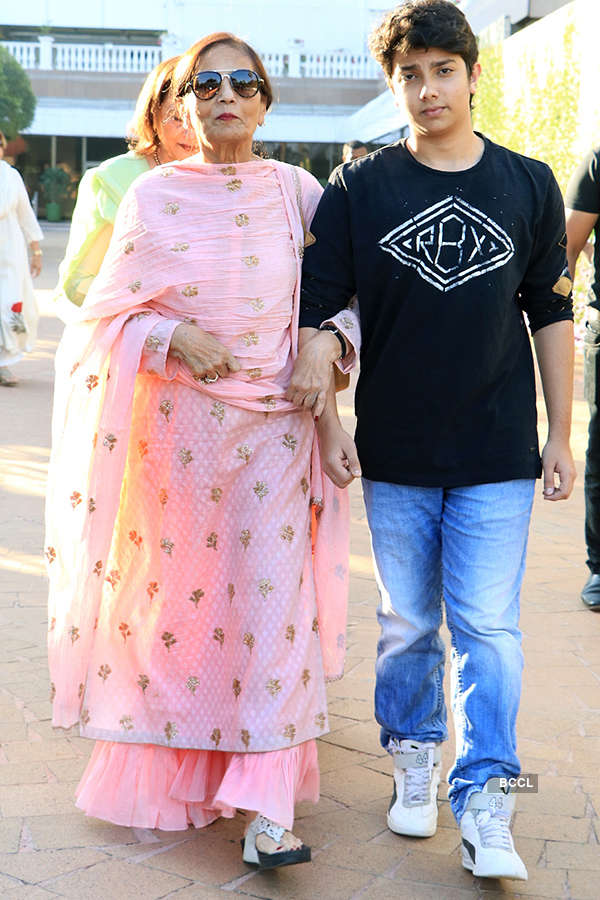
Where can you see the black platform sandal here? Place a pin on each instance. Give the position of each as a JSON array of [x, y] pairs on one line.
[[255, 857]]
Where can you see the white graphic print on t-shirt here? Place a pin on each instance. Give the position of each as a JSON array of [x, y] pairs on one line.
[[449, 243]]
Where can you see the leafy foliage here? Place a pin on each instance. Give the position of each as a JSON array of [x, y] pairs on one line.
[[17, 100]]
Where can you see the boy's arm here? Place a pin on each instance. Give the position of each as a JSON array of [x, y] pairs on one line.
[[554, 351], [579, 227]]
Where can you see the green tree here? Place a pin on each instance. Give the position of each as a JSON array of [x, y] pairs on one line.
[[17, 100]]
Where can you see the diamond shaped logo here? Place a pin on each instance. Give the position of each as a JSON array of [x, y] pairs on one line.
[[449, 243]]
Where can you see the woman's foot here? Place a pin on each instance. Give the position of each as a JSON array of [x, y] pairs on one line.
[[270, 846], [7, 379]]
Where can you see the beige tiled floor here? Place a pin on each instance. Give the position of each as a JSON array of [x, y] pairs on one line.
[[49, 849]]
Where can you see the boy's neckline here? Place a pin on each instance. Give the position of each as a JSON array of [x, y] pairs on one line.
[[461, 168]]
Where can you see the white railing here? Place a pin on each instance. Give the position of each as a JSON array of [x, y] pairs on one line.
[[46, 53]]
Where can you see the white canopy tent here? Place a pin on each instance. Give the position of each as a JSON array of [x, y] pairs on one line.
[[378, 121]]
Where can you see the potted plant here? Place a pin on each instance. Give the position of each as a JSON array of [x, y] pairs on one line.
[[55, 183]]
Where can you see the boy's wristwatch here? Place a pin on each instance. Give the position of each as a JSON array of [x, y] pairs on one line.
[[328, 326]]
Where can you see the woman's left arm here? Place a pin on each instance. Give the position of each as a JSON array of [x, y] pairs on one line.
[[29, 225]]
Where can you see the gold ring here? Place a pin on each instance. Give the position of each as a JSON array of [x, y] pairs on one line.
[[208, 380]]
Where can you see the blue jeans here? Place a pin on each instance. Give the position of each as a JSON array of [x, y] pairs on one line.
[[466, 545]]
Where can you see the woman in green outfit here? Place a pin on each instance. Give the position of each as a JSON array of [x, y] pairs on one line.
[[158, 136]]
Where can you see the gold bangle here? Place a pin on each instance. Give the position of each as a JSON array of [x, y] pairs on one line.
[[37, 253]]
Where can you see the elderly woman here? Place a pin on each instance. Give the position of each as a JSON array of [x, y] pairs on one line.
[[197, 554], [18, 309], [157, 136]]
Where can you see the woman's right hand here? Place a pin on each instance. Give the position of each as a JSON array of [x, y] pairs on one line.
[[205, 356]]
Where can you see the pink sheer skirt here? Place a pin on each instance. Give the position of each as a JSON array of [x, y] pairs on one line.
[[149, 786]]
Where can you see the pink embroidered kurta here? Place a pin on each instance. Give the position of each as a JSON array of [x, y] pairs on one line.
[[187, 607]]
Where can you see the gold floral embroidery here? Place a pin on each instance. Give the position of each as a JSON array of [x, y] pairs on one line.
[[129, 247], [166, 408], [185, 456], [216, 736], [84, 718], [190, 291], [287, 533], [50, 554], [152, 589], [192, 683], [320, 720], [228, 170], [143, 682], [273, 686], [163, 496], [290, 443], [251, 261], [257, 304], [347, 322], [167, 545], [254, 373], [245, 537], [171, 208], [196, 597], [289, 732], [244, 452], [91, 382], [249, 641], [180, 248], [152, 342], [219, 636], [218, 411], [74, 633], [300, 250], [142, 448], [113, 578], [242, 220], [236, 688], [250, 338], [126, 723], [98, 567], [233, 185], [245, 735], [104, 671], [136, 539], [269, 401], [290, 634], [166, 171], [216, 494], [125, 632], [134, 286], [138, 316], [168, 639], [170, 731], [305, 677], [211, 540], [260, 489], [52, 691], [110, 441], [265, 587], [230, 592], [304, 485], [75, 499], [315, 626], [91, 505]]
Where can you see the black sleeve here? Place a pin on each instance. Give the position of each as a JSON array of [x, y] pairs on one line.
[[583, 190], [328, 265], [545, 292]]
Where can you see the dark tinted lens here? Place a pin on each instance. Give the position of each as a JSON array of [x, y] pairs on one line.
[[206, 84], [245, 82]]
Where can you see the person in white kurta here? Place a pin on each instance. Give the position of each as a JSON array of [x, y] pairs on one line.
[[18, 309]]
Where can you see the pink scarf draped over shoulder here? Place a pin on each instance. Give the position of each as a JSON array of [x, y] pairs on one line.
[[96, 366]]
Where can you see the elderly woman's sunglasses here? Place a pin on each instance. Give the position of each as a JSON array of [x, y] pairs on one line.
[[245, 82]]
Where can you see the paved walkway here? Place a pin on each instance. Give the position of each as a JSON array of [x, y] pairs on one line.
[[49, 849]]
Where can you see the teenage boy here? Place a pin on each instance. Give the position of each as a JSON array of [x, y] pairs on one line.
[[583, 217], [447, 239]]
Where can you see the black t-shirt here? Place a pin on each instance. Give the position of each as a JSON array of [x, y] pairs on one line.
[[583, 194], [443, 264]]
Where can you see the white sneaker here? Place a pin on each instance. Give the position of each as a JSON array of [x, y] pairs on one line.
[[413, 807], [487, 844]]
